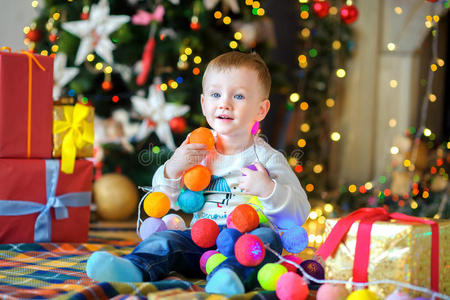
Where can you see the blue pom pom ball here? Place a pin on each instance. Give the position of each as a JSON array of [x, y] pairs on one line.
[[190, 201], [226, 240], [295, 239]]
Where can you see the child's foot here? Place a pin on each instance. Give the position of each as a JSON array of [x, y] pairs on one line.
[[225, 281], [103, 266]]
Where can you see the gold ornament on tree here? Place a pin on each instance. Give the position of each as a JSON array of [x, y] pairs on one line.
[[116, 197]]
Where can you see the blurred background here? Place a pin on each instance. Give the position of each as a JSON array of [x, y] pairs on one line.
[[360, 93]]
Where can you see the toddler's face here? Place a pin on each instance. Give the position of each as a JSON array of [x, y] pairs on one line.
[[233, 100]]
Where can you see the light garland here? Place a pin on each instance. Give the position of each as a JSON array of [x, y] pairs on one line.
[[361, 285]]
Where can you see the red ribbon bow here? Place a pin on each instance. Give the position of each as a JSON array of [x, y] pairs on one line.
[[367, 216]]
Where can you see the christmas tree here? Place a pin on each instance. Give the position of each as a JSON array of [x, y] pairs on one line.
[[140, 63]]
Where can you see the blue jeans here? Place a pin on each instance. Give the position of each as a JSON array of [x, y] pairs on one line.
[[174, 250]]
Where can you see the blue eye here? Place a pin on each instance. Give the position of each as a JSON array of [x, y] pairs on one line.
[[215, 95], [239, 97]]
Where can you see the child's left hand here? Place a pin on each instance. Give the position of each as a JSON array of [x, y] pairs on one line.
[[257, 182]]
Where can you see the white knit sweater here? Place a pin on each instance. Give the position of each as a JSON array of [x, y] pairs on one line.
[[285, 207]]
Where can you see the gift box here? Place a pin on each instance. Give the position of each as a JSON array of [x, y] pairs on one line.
[[73, 133], [399, 247], [26, 83], [38, 203]]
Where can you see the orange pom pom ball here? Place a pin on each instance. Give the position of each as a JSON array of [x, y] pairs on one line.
[[156, 205], [245, 218], [197, 178], [203, 136]]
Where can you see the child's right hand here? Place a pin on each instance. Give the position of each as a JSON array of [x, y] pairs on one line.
[[185, 157]]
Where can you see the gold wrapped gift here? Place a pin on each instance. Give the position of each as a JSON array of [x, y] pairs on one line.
[[73, 133], [399, 251]]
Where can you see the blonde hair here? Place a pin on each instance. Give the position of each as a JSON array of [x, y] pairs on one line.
[[235, 59]]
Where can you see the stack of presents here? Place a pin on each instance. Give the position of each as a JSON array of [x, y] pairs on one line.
[[45, 189]]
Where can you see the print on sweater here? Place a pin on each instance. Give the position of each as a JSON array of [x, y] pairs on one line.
[[218, 185]]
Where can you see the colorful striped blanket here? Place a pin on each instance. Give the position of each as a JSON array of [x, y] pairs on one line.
[[50, 270]]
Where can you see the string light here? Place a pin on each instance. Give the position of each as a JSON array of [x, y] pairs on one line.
[[108, 70], [197, 59], [395, 150], [368, 185], [35, 3], [304, 15], [226, 20], [391, 46], [163, 87], [392, 123], [217, 14], [195, 71], [294, 97], [183, 57], [398, 10], [305, 33], [188, 51], [393, 83], [318, 168], [99, 66], [340, 73], [305, 127], [352, 188], [301, 143], [237, 35], [90, 57], [293, 161], [233, 44], [309, 187], [426, 132], [256, 4], [335, 136], [333, 10], [440, 62], [330, 102], [336, 45], [433, 67], [304, 106], [55, 48]]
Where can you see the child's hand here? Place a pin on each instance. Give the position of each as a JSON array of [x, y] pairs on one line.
[[257, 182], [185, 157]]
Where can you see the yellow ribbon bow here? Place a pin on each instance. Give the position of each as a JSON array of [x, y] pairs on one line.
[[79, 133]]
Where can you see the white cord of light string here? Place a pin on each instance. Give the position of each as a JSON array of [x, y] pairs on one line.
[[139, 220], [360, 284]]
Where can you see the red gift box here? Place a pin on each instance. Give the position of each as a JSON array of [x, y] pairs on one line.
[[26, 83], [39, 203]]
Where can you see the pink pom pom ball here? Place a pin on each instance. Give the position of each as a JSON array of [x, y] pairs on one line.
[[204, 259], [399, 296], [204, 233], [230, 221], [291, 286], [249, 250], [329, 291], [293, 258], [150, 226]]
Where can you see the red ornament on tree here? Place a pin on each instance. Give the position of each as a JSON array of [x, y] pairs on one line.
[[321, 8], [52, 38], [34, 35], [107, 86], [349, 14], [84, 16], [195, 24], [178, 125]]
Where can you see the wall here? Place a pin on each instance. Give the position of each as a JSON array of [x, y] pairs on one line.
[[369, 101], [14, 16]]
